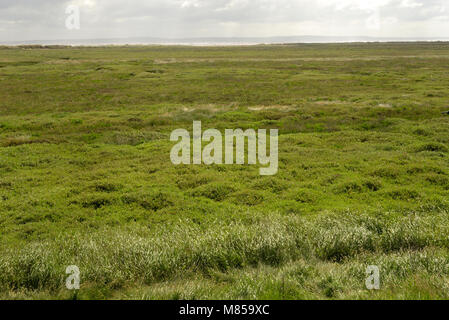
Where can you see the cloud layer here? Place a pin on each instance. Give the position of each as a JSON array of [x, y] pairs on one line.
[[45, 19]]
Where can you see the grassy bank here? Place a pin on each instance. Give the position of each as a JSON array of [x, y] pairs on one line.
[[86, 177]]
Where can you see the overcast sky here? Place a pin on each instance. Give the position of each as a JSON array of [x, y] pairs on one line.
[[46, 19]]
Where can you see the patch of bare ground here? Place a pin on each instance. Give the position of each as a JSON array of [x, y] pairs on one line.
[[209, 108], [262, 108], [63, 61], [21, 140], [385, 106], [328, 102]]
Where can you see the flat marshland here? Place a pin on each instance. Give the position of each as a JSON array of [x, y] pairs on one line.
[[86, 177]]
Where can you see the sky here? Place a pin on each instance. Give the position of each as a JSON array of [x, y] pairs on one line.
[[22, 20]]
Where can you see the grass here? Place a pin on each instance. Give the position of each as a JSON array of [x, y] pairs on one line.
[[86, 177]]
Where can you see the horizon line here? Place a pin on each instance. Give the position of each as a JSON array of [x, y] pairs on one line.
[[220, 40]]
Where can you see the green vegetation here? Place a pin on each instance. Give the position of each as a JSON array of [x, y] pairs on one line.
[[86, 177]]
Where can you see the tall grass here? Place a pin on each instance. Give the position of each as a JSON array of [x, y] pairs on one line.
[[113, 258]]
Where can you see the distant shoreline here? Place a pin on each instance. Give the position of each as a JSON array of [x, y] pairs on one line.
[[200, 45], [210, 42]]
